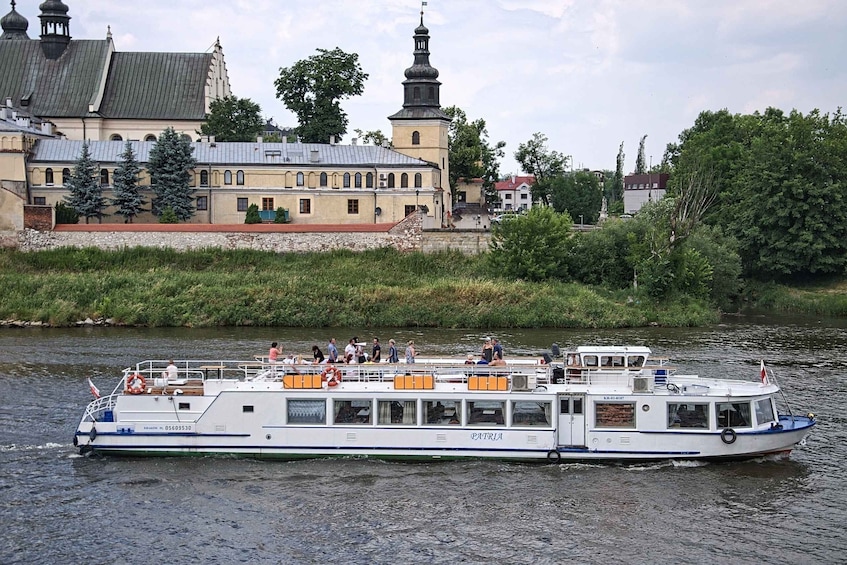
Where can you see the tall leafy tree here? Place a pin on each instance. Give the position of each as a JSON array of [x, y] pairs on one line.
[[640, 160], [313, 88], [127, 201], [86, 194], [233, 119], [616, 192], [578, 194], [471, 155], [533, 246], [375, 137], [170, 167], [544, 164]]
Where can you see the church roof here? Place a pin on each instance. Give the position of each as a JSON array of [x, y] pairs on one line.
[[235, 154]]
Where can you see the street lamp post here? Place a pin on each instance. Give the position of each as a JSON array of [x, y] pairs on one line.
[[580, 221]]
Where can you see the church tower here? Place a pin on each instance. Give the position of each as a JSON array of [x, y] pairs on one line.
[[14, 25], [55, 28], [420, 128]]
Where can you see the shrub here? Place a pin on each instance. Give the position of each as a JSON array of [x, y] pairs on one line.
[[253, 216]]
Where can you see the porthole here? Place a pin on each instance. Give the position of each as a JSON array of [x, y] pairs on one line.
[[646, 408]]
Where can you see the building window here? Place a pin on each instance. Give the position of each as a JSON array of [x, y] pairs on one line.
[[323, 179], [352, 206], [202, 202], [305, 206], [301, 179], [357, 180], [268, 204], [104, 177], [150, 137], [346, 180], [390, 180], [461, 196], [204, 178], [116, 137], [241, 205], [227, 177], [408, 209], [39, 200], [239, 178], [416, 138], [66, 175], [48, 177], [369, 180], [404, 181], [507, 196], [418, 180]]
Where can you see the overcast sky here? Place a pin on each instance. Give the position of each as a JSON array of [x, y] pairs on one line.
[[588, 74]]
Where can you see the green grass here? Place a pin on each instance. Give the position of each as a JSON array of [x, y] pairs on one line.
[[384, 288]]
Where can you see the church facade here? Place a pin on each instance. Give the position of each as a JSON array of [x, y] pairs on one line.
[[315, 183]]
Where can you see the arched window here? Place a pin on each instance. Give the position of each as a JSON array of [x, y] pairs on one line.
[[66, 175], [227, 177], [48, 176], [418, 180], [323, 179], [416, 94], [357, 180], [416, 138], [346, 180], [104, 177], [116, 137], [301, 179], [369, 180], [204, 178], [390, 180], [404, 181], [239, 177], [149, 137]]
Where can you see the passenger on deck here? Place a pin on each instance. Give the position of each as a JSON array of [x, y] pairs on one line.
[[497, 361], [488, 350], [170, 373], [376, 351], [470, 360], [392, 352], [498, 349], [350, 350], [410, 353], [273, 354], [317, 354], [332, 351]]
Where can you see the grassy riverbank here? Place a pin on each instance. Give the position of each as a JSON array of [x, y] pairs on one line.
[[153, 287], [825, 298]]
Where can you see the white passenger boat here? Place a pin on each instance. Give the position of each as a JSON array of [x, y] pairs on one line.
[[593, 403]]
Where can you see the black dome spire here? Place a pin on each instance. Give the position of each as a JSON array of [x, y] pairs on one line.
[[421, 85], [14, 25], [55, 28]]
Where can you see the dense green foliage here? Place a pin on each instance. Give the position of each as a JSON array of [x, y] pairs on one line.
[[127, 201], [579, 194], [86, 194], [170, 166], [252, 216], [471, 155], [544, 164], [65, 214], [532, 246], [312, 88], [155, 287], [168, 216], [233, 119], [782, 187]]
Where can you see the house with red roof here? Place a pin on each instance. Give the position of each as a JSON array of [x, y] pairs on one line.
[[514, 193]]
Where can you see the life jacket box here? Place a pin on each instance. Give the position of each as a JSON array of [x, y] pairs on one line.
[[108, 416]]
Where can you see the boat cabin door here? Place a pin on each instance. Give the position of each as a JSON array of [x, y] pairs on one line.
[[571, 419]]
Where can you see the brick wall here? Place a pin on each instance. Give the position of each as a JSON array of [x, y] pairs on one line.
[[38, 217]]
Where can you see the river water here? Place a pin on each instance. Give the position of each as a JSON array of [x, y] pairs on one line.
[[58, 507]]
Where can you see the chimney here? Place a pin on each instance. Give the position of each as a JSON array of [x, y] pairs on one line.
[[332, 140], [354, 141], [313, 156], [47, 128], [260, 139]]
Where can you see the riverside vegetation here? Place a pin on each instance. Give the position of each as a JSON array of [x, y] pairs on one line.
[[385, 288]]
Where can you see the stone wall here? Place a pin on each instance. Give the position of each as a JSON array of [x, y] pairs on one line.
[[469, 242]]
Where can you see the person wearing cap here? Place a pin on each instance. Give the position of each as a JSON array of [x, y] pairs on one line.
[[488, 350]]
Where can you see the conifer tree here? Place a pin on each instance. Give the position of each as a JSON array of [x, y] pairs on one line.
[[127, 200], [640, 160], [84, 185], [170, 167]]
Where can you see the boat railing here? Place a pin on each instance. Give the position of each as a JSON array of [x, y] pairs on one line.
[[100, 409]]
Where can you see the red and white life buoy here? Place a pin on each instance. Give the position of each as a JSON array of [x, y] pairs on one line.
[[332, 376], [135, 384]]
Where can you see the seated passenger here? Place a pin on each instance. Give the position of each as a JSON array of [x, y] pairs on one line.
[[497, 361], [470, 360]]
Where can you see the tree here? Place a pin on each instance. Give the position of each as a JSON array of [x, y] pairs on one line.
[[578, 194], [233, 119], [616, 193], [470, 153], [536, 160], [313, 88], [640, 161], [168, 216], [375, 137], [127, 200], [84, 185], [533, 246], [170, 166], [66, 214], [252, 216]]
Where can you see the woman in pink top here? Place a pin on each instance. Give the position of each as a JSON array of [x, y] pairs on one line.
[[273, 354]]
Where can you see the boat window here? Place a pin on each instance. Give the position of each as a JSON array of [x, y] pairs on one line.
[[611, 361], [635, 361], [589, 360], [764, 411], [688, 415], [530, 413], [303, 411], [614, 415], [352, 412], [403, 412], [443, 412], [733, 414], [486, 413]]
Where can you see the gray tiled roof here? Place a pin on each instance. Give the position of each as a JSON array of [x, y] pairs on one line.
[[165, 86], [234, 154]]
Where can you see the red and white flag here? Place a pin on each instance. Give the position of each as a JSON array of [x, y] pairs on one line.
[[94, 390], [764, 373]]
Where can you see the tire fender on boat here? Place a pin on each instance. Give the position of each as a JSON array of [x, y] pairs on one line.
[[728, 435], [135, 384], [553, 456], [93, 433]]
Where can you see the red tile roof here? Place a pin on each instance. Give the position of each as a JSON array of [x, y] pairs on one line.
[[514, 182]]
